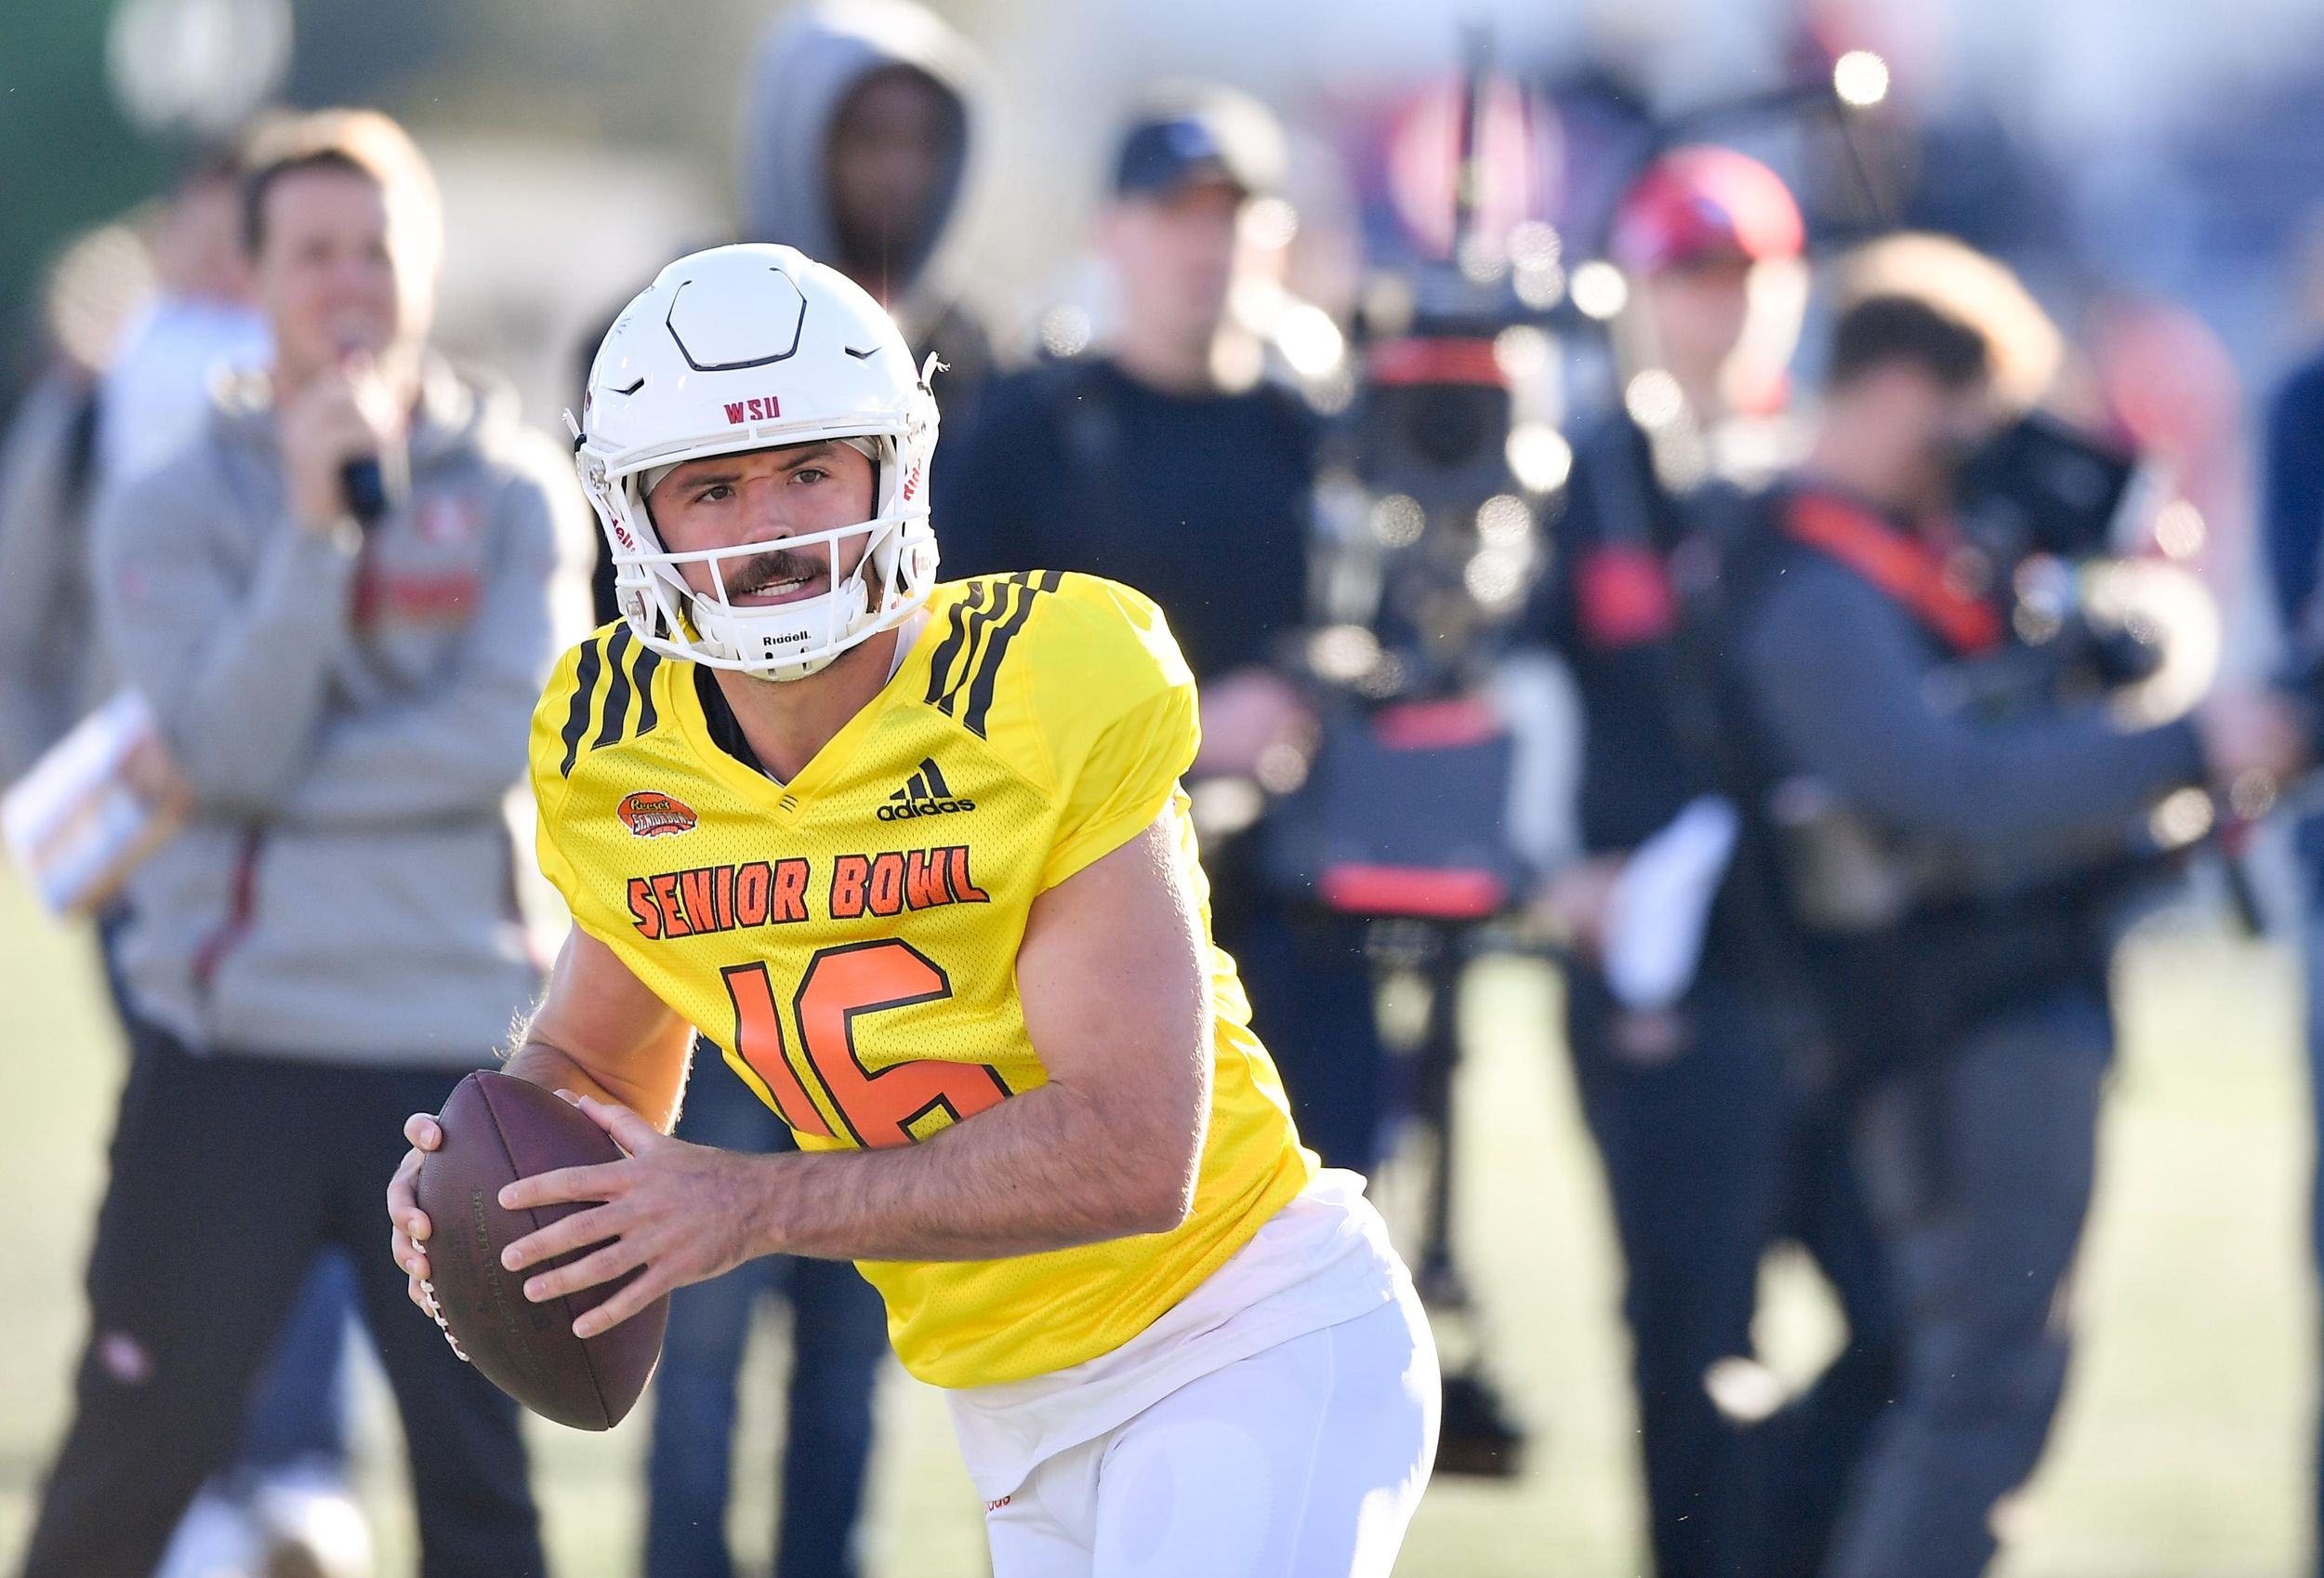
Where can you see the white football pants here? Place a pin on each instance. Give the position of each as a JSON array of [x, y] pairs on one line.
[[1304, 1461]]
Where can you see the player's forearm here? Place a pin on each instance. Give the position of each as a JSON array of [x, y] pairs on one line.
[[599, 1032], [1043, 1171], [556, 1069]]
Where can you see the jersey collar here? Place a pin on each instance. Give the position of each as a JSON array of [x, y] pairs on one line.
[[711, 726]]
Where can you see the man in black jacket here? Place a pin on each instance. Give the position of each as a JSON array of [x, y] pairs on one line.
[[1973, 1016], [1155, 463]]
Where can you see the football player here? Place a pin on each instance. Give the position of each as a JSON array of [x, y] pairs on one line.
[[915, 857]]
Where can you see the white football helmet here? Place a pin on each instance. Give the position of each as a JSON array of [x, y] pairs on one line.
[[745, 348]]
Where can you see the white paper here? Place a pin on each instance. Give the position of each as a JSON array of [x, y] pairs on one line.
[[1661, 906], [74, 826]]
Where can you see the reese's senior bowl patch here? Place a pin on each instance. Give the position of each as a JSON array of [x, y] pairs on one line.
[[649, 814]]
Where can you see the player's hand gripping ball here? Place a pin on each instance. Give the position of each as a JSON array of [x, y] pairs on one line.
[[496, 1130]]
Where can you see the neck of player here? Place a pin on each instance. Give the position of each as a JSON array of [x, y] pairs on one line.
[[787, 722]]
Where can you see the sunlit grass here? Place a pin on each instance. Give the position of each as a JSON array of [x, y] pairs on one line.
[[2183, 1453]]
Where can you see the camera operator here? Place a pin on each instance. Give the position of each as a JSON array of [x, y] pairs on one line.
[[1973, 1016], [1712, 1145], [1143, 465]]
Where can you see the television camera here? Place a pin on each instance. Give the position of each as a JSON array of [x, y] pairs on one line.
[[2050, 525]]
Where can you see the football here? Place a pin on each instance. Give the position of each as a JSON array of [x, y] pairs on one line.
[[498, 1129]]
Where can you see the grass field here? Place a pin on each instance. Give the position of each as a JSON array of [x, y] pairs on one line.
[[2183, 1453]]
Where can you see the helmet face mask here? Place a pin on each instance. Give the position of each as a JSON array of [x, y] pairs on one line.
[[742, 348], [778, 641]]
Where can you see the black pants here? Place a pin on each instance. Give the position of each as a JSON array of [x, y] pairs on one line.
[[298, 1408], [1712, 1157], [838, 1342], [1980, 1167], [1310, 985], [228, 1174]]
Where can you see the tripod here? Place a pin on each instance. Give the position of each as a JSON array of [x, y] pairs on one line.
[[1478, 1437]]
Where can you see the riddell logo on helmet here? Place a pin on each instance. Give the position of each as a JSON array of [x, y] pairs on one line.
[[912, 483], [764, 409], [651, 814]]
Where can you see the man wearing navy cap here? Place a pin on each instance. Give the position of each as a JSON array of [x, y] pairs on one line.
[[1167, 460]]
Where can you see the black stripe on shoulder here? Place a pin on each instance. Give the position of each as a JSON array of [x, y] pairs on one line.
[[643, 670], [1049, 580], [995, 609], [956, 641], [584, 693], [987, 672], [616, 714]]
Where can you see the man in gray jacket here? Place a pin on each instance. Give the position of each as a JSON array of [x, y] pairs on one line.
[[339, 604]]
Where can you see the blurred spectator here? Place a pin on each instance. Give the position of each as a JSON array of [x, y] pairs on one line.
[[149, 403], [87, 427], [346, 701], [2292, 534], [2294, 501], [861, 129], [50, 672], [1717, 1134], [155, 397], [1973, 1011], [1142, 463]]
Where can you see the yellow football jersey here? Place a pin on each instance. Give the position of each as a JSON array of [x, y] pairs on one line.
[[849, 938]]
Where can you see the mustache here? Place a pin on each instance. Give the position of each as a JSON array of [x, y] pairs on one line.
[[776, 564]]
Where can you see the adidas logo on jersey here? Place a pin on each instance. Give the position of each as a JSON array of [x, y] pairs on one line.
[[925, 794]]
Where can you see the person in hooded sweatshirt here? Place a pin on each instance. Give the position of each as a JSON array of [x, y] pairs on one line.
[[859, 124], [860, 132]]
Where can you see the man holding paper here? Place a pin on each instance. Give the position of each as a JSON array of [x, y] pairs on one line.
[[1697, 1076], [338, 604]]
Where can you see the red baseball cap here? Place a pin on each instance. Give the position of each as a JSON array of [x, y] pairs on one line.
[[1702, 201]]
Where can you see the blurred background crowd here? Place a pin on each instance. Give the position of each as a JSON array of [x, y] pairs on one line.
[[1793, 527]]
